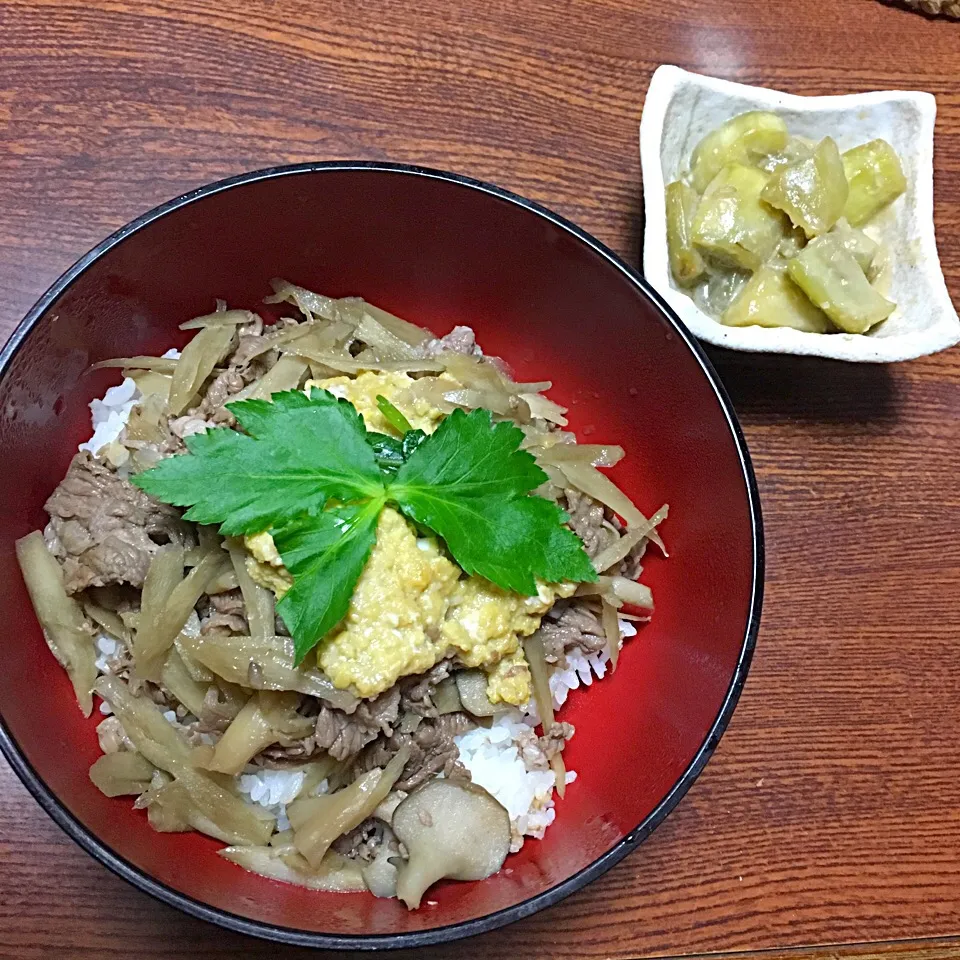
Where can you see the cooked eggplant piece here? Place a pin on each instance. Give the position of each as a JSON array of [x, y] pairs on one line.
[[746, 138], [830, 276], [733, 225], [162, 814], [258, 601], [856, 242], [265, 665], [194, 796], [446, 697], [876, 178], [797, 148], [686, 264], [196, 363], [168, 600], [315, 772], [177, 679], [143, 722], [719, 290], [194, 801], [286, 374], [811, 192], [772, 299], [246, 736], [266, 718]]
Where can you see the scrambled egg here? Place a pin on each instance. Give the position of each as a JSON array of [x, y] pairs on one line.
[[484, 623], [412, 606], [265, 565], [393, 625], [509, 680], [362, 392]]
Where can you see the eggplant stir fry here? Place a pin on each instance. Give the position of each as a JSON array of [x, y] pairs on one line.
[[768, 229]]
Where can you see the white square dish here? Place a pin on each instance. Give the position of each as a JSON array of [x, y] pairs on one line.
[[682, 107]]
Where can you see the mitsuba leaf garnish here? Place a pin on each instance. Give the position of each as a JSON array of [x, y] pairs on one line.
[[470, 483], [296, 453], [307, 470], [326, 555]]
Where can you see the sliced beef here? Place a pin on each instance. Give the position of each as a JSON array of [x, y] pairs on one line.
[[432, 751], [458, 340], [555, 739], [598, 528], [183, 427], [251, 349], [247, 351], [589, 521], [362, 842], [345, 735], [217, 711], [220, 391], [416, 693], [243, 366], [630, 566], [224, 613], [279, 756], [103, 529], [568, 625]]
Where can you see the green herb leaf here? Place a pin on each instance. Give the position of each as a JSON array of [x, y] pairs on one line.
[[298, 452], [388, 452], [411, 440], [469, 456], [326, 554], [470, 483]]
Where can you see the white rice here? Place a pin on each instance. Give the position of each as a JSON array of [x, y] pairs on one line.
[[271, 787], [579, 669], [106, 647], [109, 415], [272, 790], [506, 759]]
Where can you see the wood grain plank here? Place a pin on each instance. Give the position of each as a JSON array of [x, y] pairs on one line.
[[830, 813]]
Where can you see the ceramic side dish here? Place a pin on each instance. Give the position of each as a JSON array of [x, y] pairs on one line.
[[682, 107]]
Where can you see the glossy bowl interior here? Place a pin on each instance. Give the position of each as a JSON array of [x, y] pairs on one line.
[[556, 305]]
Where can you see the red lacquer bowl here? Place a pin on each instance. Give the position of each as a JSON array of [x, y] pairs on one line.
[[440, 250]]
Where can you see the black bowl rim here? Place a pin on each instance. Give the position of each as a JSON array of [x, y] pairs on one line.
[[133, 874]]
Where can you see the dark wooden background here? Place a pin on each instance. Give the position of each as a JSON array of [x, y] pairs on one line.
[[830, 813]]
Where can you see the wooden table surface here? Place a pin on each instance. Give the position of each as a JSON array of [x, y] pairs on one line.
[[830, 814]]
